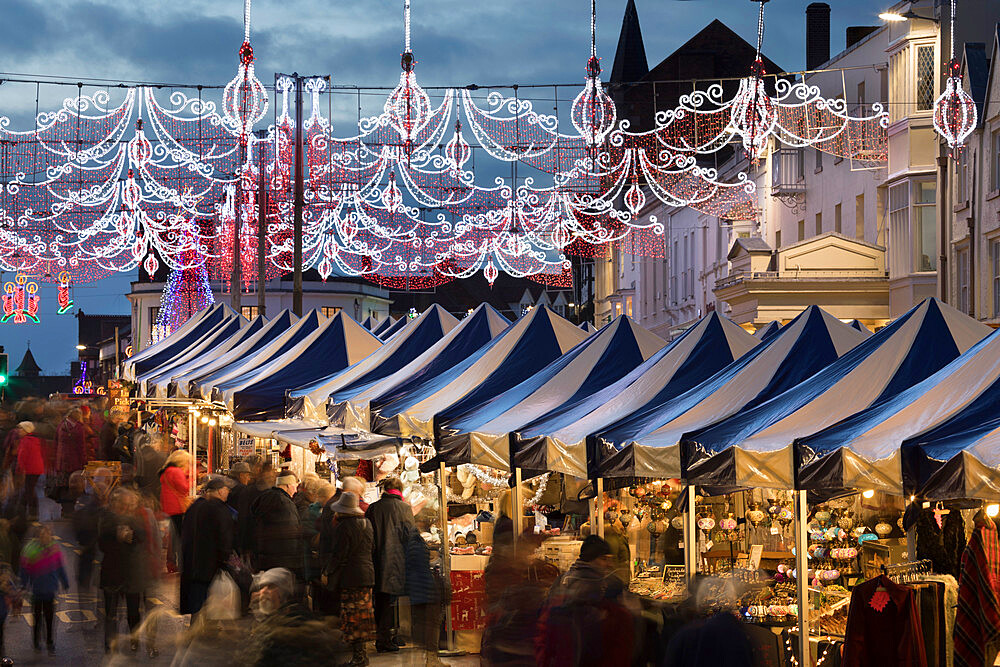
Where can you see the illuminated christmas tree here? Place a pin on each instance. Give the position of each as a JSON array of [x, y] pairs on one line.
[[187, 292]]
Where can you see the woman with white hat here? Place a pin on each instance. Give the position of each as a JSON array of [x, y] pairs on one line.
[[350, 574]]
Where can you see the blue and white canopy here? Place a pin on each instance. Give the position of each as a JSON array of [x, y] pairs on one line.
[[205, 383], [859, 325], [522, 350], [767, 330], [382, 326], [557, 441], [353, 410], [310, 400], [863, 451], [370, 322], [588, 327], [233, 328], [161, 352], [394, 328], [652, 433], [959, 458], [482, 435], [259, 394], [179, 381], [753, 447]]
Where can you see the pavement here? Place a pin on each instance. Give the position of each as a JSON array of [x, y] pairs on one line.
[[79, 623]]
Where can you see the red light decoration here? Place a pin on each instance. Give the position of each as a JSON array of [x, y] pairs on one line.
[[63, 298], [20, 301]]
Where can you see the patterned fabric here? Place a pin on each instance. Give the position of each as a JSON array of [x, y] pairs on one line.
[[357, 617], [977, 622]]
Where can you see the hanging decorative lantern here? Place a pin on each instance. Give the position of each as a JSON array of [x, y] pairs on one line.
[[754, 115], [955, 114]]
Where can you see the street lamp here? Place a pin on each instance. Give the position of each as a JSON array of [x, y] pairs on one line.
[[81, 347], [896, 17]]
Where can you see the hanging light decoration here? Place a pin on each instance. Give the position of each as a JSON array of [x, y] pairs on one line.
[[955, 115]]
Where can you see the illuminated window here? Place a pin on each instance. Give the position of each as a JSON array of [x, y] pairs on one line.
[[330, 311], [249, 312], [628, 306]]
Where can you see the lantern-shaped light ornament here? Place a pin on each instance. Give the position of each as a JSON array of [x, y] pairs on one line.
[[593, 112], [490, 272], [457, 150], [407, 108], [754, 115], [244, 100], [955, 114]]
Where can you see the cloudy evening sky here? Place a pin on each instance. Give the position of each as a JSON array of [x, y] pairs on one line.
[[456, 42]]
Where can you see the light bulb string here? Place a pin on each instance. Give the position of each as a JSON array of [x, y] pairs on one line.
[[593, 28], [760, 28], [406, 26], [246, 20]]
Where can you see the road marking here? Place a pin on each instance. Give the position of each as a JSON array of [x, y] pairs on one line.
[[65, 617]]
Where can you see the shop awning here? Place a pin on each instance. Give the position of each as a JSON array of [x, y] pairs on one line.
[[652, 433], [165, 350], [857, 324], [204, 384], [482, 435], [383, 325], [233, 327], [370, 323], [522, 350], [268, 429], [767, 330], [352, 410], [557, 441], [432, 325], [753, 448], [342, 444], [260, 393], [588, 327], [180, 380], [863, 451], [394, 328]]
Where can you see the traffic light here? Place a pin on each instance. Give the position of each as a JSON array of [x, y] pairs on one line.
[[3, 369]]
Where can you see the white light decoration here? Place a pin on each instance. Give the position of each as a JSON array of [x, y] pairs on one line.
[[955, 114]]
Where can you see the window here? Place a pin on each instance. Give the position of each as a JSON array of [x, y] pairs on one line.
[[777, 239], [249, 312], [819, 160], [329, 311], [996, 161], [861, 96], [838, 223], [962, 282], [995, 268], [819, 223], [618, 308], [628, 306], [925, 212], [802, 230], [800, 164], [899, 224], [925, 78], [859, 217]]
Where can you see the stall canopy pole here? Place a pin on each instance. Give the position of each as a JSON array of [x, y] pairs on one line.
[[193, 451], [599, 500], [802, 578], [690, 559], [516, 508], [445, 552]]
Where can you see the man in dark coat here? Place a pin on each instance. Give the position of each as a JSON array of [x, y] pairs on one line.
[[242, 477], [389, 515], [120, 536], [276, 530], [206, 543], [244, 502]]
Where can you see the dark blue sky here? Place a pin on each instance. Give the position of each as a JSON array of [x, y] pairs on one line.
[[456, 42]]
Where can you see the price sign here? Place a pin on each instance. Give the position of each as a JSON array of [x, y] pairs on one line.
[[244, 447]]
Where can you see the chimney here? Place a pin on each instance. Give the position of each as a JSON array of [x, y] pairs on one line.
[[817, 34]]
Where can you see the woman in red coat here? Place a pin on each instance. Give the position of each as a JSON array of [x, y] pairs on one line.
[[175, 489], [71, 454], [30, 463]]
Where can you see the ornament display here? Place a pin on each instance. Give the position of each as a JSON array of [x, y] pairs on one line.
[[955, 114], [20, 301], [63, 297]]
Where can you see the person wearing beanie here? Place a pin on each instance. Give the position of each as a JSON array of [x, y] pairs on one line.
[[206, 543], [583, 622], [389, 514], [277, 535]]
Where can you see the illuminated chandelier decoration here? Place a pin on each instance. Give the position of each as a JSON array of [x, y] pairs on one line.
[[955, 115]]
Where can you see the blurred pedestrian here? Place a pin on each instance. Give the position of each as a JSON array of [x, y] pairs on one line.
[[241, 476], [71, 446], [43, 572], [152, 569], [357, 486], [175, 487], [277, 535], [424, 591], [31, 464], [120, 536], [263, 480], [149, 459], [206, 544], [350, 572], [388, 515]]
